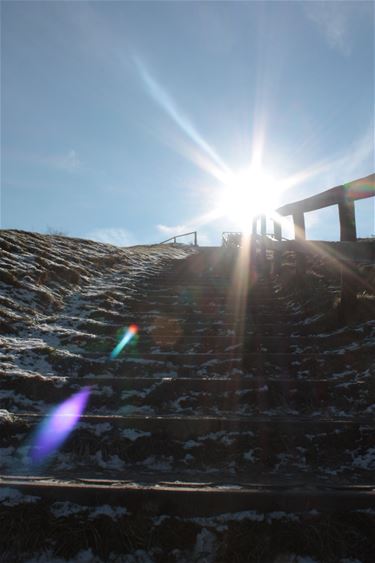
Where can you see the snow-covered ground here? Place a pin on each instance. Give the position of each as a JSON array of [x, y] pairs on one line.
[[301, 409], [62, 302]]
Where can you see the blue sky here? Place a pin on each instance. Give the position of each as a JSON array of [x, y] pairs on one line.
[[118, 118]]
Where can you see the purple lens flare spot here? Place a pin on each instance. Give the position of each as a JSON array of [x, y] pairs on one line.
[[57, 426]]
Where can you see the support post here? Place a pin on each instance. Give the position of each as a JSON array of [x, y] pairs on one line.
[[263, 225], [348, 232], [300, 236], [263, 252], [348, 229], [253, 249], [195, 239], [277, 254]]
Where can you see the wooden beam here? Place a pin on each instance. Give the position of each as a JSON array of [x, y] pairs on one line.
[[351, 191], [318, 201]]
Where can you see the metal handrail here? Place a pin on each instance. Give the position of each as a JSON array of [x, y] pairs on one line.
[[239, 234], [229, 237], [182, 235]]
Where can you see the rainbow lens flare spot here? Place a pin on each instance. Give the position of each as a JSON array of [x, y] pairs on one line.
[[57, 426], [129, 334]]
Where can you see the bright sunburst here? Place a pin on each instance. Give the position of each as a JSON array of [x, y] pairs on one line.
[[248, 193]]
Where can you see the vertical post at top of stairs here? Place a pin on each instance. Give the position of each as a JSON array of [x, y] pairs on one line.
[[277, 254], [348, 232], [300, 237], [254, 227], [263, 251], [253, 248]]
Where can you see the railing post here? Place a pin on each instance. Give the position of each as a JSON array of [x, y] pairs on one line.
[[277, 254], [253, 249], [300, 237], [348, 229], [348, 232], [263, 252], [263, 225]]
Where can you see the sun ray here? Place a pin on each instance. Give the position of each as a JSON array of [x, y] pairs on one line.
[[166, 102], [239, 196]]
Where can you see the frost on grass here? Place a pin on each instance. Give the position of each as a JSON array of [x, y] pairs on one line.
[[13, 497], [98, 429], [83, 556], [365, 460], [133, 434], [5, 416], [113, 512], [49, 285], [48, 557], [66, 509], [245, 515]]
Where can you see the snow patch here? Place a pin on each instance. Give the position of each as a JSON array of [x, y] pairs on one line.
[[13, 497], [106, 510], [112, 462], [249, 456], [205, 546], [133, 434], [366, 460], [83, 556], [64, 509]]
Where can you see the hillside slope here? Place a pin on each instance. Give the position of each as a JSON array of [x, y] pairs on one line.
[[61, 297]]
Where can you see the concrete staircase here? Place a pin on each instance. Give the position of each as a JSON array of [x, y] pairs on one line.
[[227, 404]]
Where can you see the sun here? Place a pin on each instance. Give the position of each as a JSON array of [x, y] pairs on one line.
[[248, 193]]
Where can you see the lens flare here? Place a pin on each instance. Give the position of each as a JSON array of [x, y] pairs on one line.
[[361, 187], [129, 334], [55, 428]]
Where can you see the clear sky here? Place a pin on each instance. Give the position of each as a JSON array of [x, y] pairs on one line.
[[122, 121]]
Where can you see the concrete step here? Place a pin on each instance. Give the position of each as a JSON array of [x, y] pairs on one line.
[[191, 499], [208, 312], [247, 360], [169, 324], [160, 342], [204, 397], [168, 364], [59, 387], [187, 295], [251, 448], [121, 520]]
